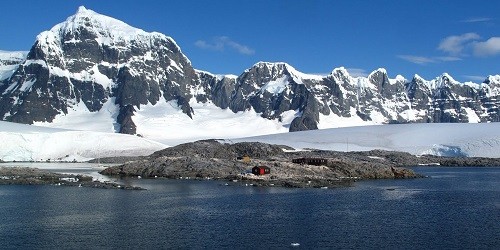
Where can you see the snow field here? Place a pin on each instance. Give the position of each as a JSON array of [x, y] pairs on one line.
[[446, 139], [31, 143], [165, 122]]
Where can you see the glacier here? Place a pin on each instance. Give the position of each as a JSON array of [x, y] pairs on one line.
[[32, 143], [96, 75], [22, 142], [443, 139]]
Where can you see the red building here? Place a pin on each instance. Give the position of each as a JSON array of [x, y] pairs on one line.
[[261, 170]]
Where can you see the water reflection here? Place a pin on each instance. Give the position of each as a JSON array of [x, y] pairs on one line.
[[399, 193]]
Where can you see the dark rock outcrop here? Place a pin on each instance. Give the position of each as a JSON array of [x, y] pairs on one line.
[[216, 160]]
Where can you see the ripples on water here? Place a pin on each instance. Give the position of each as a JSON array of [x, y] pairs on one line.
[[455, 208]]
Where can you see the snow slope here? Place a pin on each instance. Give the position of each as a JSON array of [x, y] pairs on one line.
[[165, 122], [31, 143], [9, 61], [447, 139], [24, 142]]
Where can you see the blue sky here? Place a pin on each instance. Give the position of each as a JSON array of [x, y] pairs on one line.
[[406, 37]]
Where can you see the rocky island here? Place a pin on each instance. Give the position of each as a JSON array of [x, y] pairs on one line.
[[250, 163], [214, 159], [217, 159]]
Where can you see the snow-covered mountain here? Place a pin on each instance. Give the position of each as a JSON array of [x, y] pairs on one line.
[[96, 63], [93, 72], [337, 100], [9, 61]]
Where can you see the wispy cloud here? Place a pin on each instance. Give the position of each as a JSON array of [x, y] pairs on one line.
[[490, 47], [475, 78], [355, 72], [422, 60], [455, 45], [477, 20], [448, 58], [221, 43]]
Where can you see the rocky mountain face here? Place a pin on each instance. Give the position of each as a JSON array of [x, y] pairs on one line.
[[95, 61], [268, 88], [274, 88]]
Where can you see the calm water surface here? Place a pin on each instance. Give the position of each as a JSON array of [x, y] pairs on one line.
[[457, 208]]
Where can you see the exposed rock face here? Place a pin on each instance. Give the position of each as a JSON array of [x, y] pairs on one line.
[[92, 59], [215, 149], [272, 89], [215, 160], [446, 100], [97, 63]]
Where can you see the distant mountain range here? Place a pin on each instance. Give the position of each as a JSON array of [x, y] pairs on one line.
[[94, 64]]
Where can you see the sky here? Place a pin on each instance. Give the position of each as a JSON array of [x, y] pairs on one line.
[[406, 37]]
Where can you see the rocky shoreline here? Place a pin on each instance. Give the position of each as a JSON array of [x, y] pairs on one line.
[[233, 163], [214, 159], [34, 176], [211, 159]]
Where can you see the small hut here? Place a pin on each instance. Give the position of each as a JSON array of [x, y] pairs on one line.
[[261, 170], [245, 158], [310, 161]]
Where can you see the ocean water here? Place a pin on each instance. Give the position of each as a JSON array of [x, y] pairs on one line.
[[456, 208]]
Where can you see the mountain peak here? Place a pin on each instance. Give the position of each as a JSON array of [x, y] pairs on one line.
[[98, 24], [341, 74], [271, 64], [447, 77], [82, 9], [493, 79], [278, 69], [442, 81], [340, 70], [87, 25], [378, 71], [275, 67]]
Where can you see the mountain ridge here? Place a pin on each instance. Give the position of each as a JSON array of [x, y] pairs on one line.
[[98, 65]]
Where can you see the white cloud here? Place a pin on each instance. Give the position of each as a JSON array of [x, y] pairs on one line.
[[475, 78], [458, 47], [355, 72], [477, 20], [422, 60], [448, 58], [221, 43], [454, 45], [490, 47], [204, 45]]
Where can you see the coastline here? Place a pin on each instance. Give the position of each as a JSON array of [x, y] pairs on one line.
[[34, 176], [211, 159], [232, 165]]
